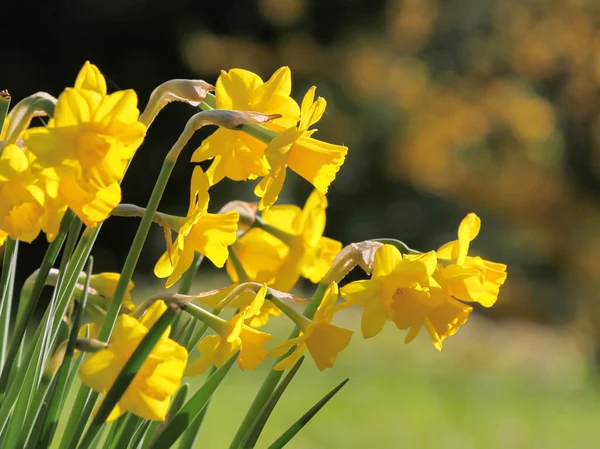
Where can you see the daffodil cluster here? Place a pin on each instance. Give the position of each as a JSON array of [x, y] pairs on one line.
[[137, 352]]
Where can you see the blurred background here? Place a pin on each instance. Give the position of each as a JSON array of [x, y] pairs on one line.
[[448, 107]]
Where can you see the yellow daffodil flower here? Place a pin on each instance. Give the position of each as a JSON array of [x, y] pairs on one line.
[[89, 142], [149, 394], [22, 202], [316, 161], [237, 155], [305, 252], [470, 279], [323, 340], [403, 290], [233, 336], [209, 234], [267, 310]]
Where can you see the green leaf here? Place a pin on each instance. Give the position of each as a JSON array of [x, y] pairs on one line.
[[27, 309], [37, 426], [60, 387], [9, 268], [272, 379], [189, 437], [82, 409], [125, 431], [256, 429], [125, 377], [298, 425], [192, 408]]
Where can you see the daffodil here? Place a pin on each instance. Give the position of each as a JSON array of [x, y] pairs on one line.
[[149, 394], [469, 278], [316, 161], [298, 249], [245, 298], [323, 340], [22, 202], [233, 336], [209, 234], [89, 142], [237, 155], [401, 290]]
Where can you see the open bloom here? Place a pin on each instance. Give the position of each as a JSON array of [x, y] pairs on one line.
[[403, 290], [316, 161], [22, 203], [323, 340], [237, 155], [89, 142], [150, 392], [233, 336], [209, 234], [469, 278], [298, 249]]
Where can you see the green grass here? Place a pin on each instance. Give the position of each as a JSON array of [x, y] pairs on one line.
[[493, 386]]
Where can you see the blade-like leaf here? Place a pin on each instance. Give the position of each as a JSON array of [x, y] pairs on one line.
[[60, 387], [192, 408], [125, 431], [9, 268], [189, 437], [256, 429], [26, 310], [298, 425], [125, 377]]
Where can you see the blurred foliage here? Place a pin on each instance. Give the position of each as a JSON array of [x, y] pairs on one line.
[[447, 107]]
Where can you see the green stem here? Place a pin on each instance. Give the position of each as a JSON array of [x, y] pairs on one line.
[[300, 320], [290, 240], [196, 122], [272, 379], [402, 247], [185, 285], [4, 105], [239, 268]]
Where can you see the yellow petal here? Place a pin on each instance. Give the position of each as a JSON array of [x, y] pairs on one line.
[[212, 234], [445, 320], [234, 89], [74, 108], [91, 78], [253, 348], [373, 318], [467, 231], [387, 258], [316, 161], [325, 342]]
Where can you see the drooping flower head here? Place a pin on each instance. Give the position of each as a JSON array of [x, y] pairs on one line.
[[305, 252], [402, 290], [316, 161], [232, 336], [89, 142], [209, 234], [237, 155], [469, 278], [149, 394], [323, 340]]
